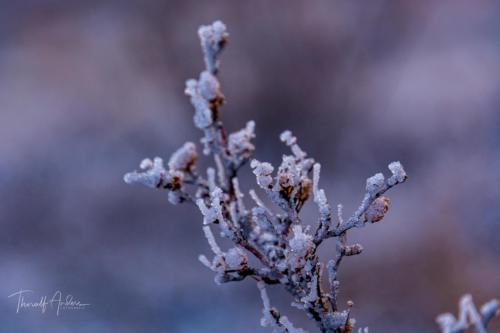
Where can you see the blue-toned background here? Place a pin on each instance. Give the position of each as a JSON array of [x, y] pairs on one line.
[[89, 88]]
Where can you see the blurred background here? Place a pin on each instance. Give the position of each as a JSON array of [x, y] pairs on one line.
[[89, 88]]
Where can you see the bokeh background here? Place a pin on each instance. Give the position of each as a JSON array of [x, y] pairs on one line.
[[89, 88]]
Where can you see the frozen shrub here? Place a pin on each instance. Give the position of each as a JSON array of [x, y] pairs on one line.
[[286, 250], [469, 316]]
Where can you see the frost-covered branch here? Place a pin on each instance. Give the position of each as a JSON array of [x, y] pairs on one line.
[[284, 248], [469, 316]]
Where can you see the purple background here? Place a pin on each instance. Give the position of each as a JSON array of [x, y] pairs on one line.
[[89, 88]]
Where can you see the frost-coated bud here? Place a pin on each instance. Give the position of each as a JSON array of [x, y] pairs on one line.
[[288, 138], [209, 87], [288, 173], [239, 143], [375, 183], [152, 176], [184, 158], [398, 173], [301, 243], [377, 210], [235, 258], [146, 164], [203, 117], [263, 171], [445, 321], [213, 38], [300, 246], [214, 33]]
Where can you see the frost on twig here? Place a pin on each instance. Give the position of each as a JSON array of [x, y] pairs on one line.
[[153, 175], [272, 317], [284, 249], [469, 316], [376, 186], [180, 171]]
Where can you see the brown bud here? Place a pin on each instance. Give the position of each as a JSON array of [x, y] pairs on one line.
[[305, 189], [377, 210], [352, 250]]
